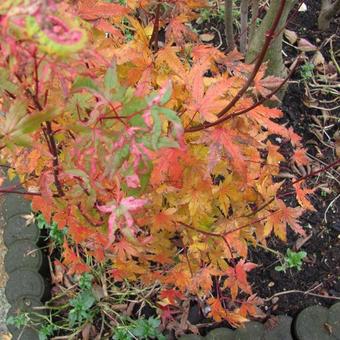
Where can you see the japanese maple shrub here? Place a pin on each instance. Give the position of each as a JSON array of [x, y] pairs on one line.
[[149, 147]]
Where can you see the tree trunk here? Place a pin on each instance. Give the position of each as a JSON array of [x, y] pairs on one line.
[[328, 11], [274, 54], [244, 25], [228, 24], [254, 15]]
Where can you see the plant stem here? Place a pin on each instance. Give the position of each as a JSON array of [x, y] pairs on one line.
[[333, 164], [55, 160], [155, 32], [9, 191], [328, 11]]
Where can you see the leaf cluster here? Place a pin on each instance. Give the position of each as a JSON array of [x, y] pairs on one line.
[[118, 139]]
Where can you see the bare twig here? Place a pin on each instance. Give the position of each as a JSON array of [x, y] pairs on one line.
[[296, 291], [329, 206]]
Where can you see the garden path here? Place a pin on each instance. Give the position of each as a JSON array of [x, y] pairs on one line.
[[3, 277]]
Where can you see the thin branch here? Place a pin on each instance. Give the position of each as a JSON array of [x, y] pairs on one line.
[[55, 160], [48, 133], [9, 191], [324, 169], [210, 234], [294, 291], [155, 32]]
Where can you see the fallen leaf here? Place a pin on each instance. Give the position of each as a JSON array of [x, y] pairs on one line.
[[318, 58], [291, 36], [306, 46], [206, 37]]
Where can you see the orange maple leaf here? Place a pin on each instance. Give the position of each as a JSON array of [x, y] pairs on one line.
[[237, 278], [278, 220], [301, 196], [45, 207], [92, 10], [300, 156], [228, 139]]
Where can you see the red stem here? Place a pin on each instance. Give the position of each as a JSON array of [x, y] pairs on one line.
[[333, 164], [9, 191]]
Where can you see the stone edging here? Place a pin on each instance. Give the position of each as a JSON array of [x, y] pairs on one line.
[[26, 288], [313, 323]]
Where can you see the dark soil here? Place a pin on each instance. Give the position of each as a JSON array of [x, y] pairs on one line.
[[322, 266]]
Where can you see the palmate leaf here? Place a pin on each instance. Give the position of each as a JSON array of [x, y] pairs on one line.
[[93, 10], [278, 220], [18, 123]]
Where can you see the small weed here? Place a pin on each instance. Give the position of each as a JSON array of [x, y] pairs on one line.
[[18, 321], [82, 303], [139, 329], [291, 260], [307, 71], [55, 234], [324, 193]]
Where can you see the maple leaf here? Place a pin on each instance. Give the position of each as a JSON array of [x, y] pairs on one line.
[[93, 9], [301, 196], [168, 55], [124, 250], [264, 86], [222, 136], [169, 165], [164, 220], [167, 313], [41, 204], [217, 312], [123, 208], [237, 278], [300, 156], [178, 32], [180, 276], [250, 307], [76, 266], [278, 220], [106, 27], [202, 281], [197, 196], [170, 296]]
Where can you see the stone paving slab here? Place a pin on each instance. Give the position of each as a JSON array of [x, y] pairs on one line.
[[4, 306]]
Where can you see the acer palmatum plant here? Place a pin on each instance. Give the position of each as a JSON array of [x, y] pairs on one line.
[[153, 153]]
